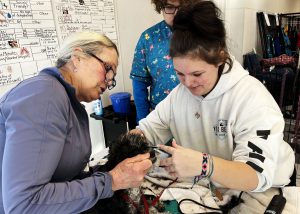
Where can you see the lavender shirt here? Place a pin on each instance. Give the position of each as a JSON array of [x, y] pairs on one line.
[[45, 145]]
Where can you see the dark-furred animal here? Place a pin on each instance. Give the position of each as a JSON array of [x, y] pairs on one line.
[[126, 146]]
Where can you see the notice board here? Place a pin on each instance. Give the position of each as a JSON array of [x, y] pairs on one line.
[[32, 30]]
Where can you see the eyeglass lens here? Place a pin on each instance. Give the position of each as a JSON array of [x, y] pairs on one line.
[[170, 9], [110, 79]]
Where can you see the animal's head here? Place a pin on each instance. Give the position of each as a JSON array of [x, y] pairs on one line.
[[127, 146]]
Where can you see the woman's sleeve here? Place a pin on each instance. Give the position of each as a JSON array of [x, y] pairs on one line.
[[139, 70], [140, 94], [141, 78], [258, 138], [36, 128]]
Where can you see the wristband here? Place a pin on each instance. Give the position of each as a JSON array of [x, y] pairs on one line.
[[204, 174], [205, 159]]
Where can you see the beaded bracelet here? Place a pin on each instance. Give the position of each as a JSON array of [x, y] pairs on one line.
[[205, 159]]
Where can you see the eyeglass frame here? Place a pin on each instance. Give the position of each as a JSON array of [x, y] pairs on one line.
[[107, 68], [170, 6]]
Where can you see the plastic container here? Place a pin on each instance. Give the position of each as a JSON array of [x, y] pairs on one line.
[[98, 107], [121, 102]]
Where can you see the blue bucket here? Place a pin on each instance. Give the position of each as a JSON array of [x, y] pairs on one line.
[[121, 102]]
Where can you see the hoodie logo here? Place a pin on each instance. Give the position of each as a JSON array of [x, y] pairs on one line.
[[220, 129]]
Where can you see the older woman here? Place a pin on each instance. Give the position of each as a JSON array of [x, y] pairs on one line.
[[45, 141]]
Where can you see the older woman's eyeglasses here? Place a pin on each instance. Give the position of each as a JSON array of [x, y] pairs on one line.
[[110, 73], [170, 9]]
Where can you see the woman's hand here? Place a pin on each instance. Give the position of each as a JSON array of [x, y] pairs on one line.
[[184, 162], [130, 172]]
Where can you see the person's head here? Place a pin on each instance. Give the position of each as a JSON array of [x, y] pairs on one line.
[[90, 60], [169, 8], [198, 46]]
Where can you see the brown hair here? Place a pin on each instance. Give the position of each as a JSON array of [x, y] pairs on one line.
[[199, 32], [159, 4]]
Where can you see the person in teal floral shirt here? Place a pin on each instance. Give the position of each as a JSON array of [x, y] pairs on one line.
[[152, 65]]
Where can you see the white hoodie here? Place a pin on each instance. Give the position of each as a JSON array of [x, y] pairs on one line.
[[238, 120]]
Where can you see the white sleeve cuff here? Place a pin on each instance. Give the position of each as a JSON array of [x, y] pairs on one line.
[[262, 183]]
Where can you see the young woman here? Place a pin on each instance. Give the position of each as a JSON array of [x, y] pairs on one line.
[[226, 126]]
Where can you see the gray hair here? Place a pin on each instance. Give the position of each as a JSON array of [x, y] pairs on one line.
[[89, 42]]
